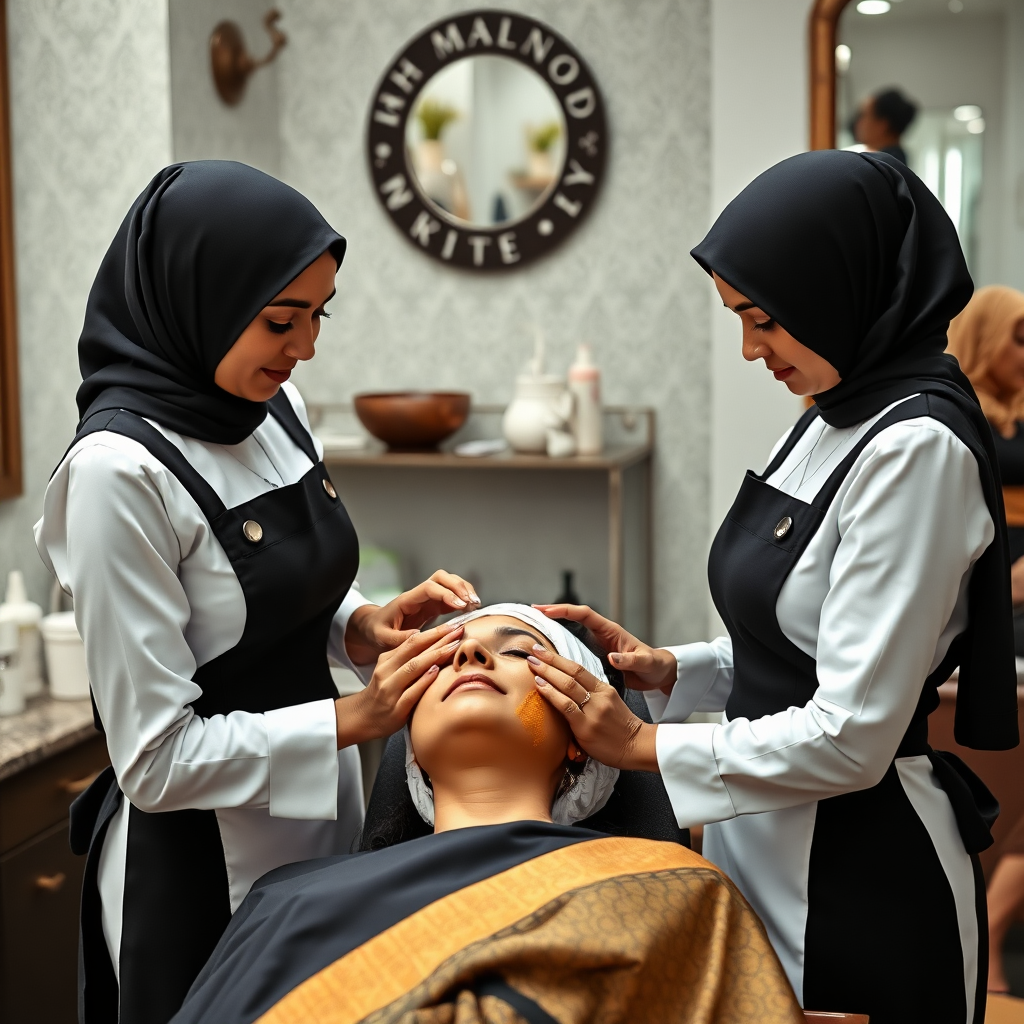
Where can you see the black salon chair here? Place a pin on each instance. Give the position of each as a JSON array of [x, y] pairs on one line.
[[639, 806]]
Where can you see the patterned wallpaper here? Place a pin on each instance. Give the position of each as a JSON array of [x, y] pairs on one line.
[[203, 127], [624, 281], [91, 124], [91, 91]]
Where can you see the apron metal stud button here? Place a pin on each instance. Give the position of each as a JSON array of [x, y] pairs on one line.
[[252, 530], [784, 525], [329, 488]]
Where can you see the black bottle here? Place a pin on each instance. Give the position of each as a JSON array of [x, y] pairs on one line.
[[568, 594]]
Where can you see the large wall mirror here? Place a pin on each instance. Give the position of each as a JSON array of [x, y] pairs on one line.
[[486, 140], [947, 74], [10, 417]]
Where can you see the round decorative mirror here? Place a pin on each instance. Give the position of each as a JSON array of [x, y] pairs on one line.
[[487, 140]]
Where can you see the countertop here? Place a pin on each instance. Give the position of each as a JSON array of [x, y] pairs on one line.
[[44, 728]]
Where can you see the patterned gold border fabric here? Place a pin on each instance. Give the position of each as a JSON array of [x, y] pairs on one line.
[[609, 930]]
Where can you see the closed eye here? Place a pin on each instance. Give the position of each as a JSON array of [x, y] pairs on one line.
[[516, 652], [278, 328]]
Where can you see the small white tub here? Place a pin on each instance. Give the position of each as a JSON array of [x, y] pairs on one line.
[[65, 657]]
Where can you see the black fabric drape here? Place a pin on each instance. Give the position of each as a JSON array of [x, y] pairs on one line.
[[855, 258], [199, 254], [326, 908]]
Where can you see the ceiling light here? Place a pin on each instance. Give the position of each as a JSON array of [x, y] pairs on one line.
[[843, 57], [967, 112], [956, 6], [977, 126], [874, 7]]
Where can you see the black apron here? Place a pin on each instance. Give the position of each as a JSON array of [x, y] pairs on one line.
[[881, 936], [295, 554]]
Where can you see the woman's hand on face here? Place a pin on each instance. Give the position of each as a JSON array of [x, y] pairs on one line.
[[399, 680], [373, 630], [1017, 582], [644, 668], [599, 719]]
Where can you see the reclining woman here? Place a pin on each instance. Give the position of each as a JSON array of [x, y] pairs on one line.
[[505, 905]]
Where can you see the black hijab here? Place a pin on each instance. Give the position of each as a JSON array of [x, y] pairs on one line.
[[200, 253], [855, 258]]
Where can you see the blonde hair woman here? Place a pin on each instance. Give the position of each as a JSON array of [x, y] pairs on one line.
[[988, 340]]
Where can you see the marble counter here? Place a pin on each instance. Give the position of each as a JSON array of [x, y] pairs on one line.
[[46, 727]]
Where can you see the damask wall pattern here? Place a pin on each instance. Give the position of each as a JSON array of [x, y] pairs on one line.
[[90, 112], [91, 99], [624, 281]]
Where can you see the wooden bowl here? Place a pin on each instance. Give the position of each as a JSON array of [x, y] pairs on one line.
[[412, 419]]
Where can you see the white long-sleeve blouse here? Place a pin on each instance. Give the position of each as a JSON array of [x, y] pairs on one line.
[[156, 597], [876, 599]]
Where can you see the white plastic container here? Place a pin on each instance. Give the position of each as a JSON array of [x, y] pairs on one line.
[[25, 614], [65, 657], [585, 385], [12, 699]]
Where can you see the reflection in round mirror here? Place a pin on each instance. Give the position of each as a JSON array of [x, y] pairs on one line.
[[486, 141]]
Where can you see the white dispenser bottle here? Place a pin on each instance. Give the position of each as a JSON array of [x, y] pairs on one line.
[[585, 385], [26, 614], [12, 700]]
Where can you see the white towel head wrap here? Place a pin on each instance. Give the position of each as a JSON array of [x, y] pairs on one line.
[[595, 783]]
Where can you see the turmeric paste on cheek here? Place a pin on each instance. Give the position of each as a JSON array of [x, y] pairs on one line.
[[531, 713]]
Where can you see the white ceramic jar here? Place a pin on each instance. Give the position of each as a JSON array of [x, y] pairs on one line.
[[540, 404]]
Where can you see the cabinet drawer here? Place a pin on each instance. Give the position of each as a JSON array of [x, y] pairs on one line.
[[40, 889], [39, 797]]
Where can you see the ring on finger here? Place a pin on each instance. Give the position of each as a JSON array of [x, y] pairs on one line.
[[584, 701]]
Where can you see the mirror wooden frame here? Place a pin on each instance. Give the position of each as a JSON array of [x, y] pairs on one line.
[[823, 25], [10, 415], [528, 42]]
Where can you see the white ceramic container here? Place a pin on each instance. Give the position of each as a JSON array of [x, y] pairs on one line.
[[65, 657], [540, 404]]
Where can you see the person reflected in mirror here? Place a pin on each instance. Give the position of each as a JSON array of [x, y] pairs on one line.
[[881, 121], [987, 339], [506, 905]]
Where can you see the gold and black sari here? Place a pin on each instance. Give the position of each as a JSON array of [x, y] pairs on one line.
[[504, 923]]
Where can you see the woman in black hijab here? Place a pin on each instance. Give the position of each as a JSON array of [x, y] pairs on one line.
[[853, 575], [212, 562]]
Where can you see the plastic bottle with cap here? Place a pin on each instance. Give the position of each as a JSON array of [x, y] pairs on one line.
[[585, 385], [12, 698], [26, 614]]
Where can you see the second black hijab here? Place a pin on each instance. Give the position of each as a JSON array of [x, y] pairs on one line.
[[855, 258], [204, 248]]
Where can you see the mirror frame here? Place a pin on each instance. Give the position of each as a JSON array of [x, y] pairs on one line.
[[823, 29], [544, 51], [10, 415]]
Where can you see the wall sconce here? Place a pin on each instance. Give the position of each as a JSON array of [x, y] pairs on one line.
[[231, 63]]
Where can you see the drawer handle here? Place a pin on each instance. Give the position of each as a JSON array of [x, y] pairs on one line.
[[51, 883], [75, 786]]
